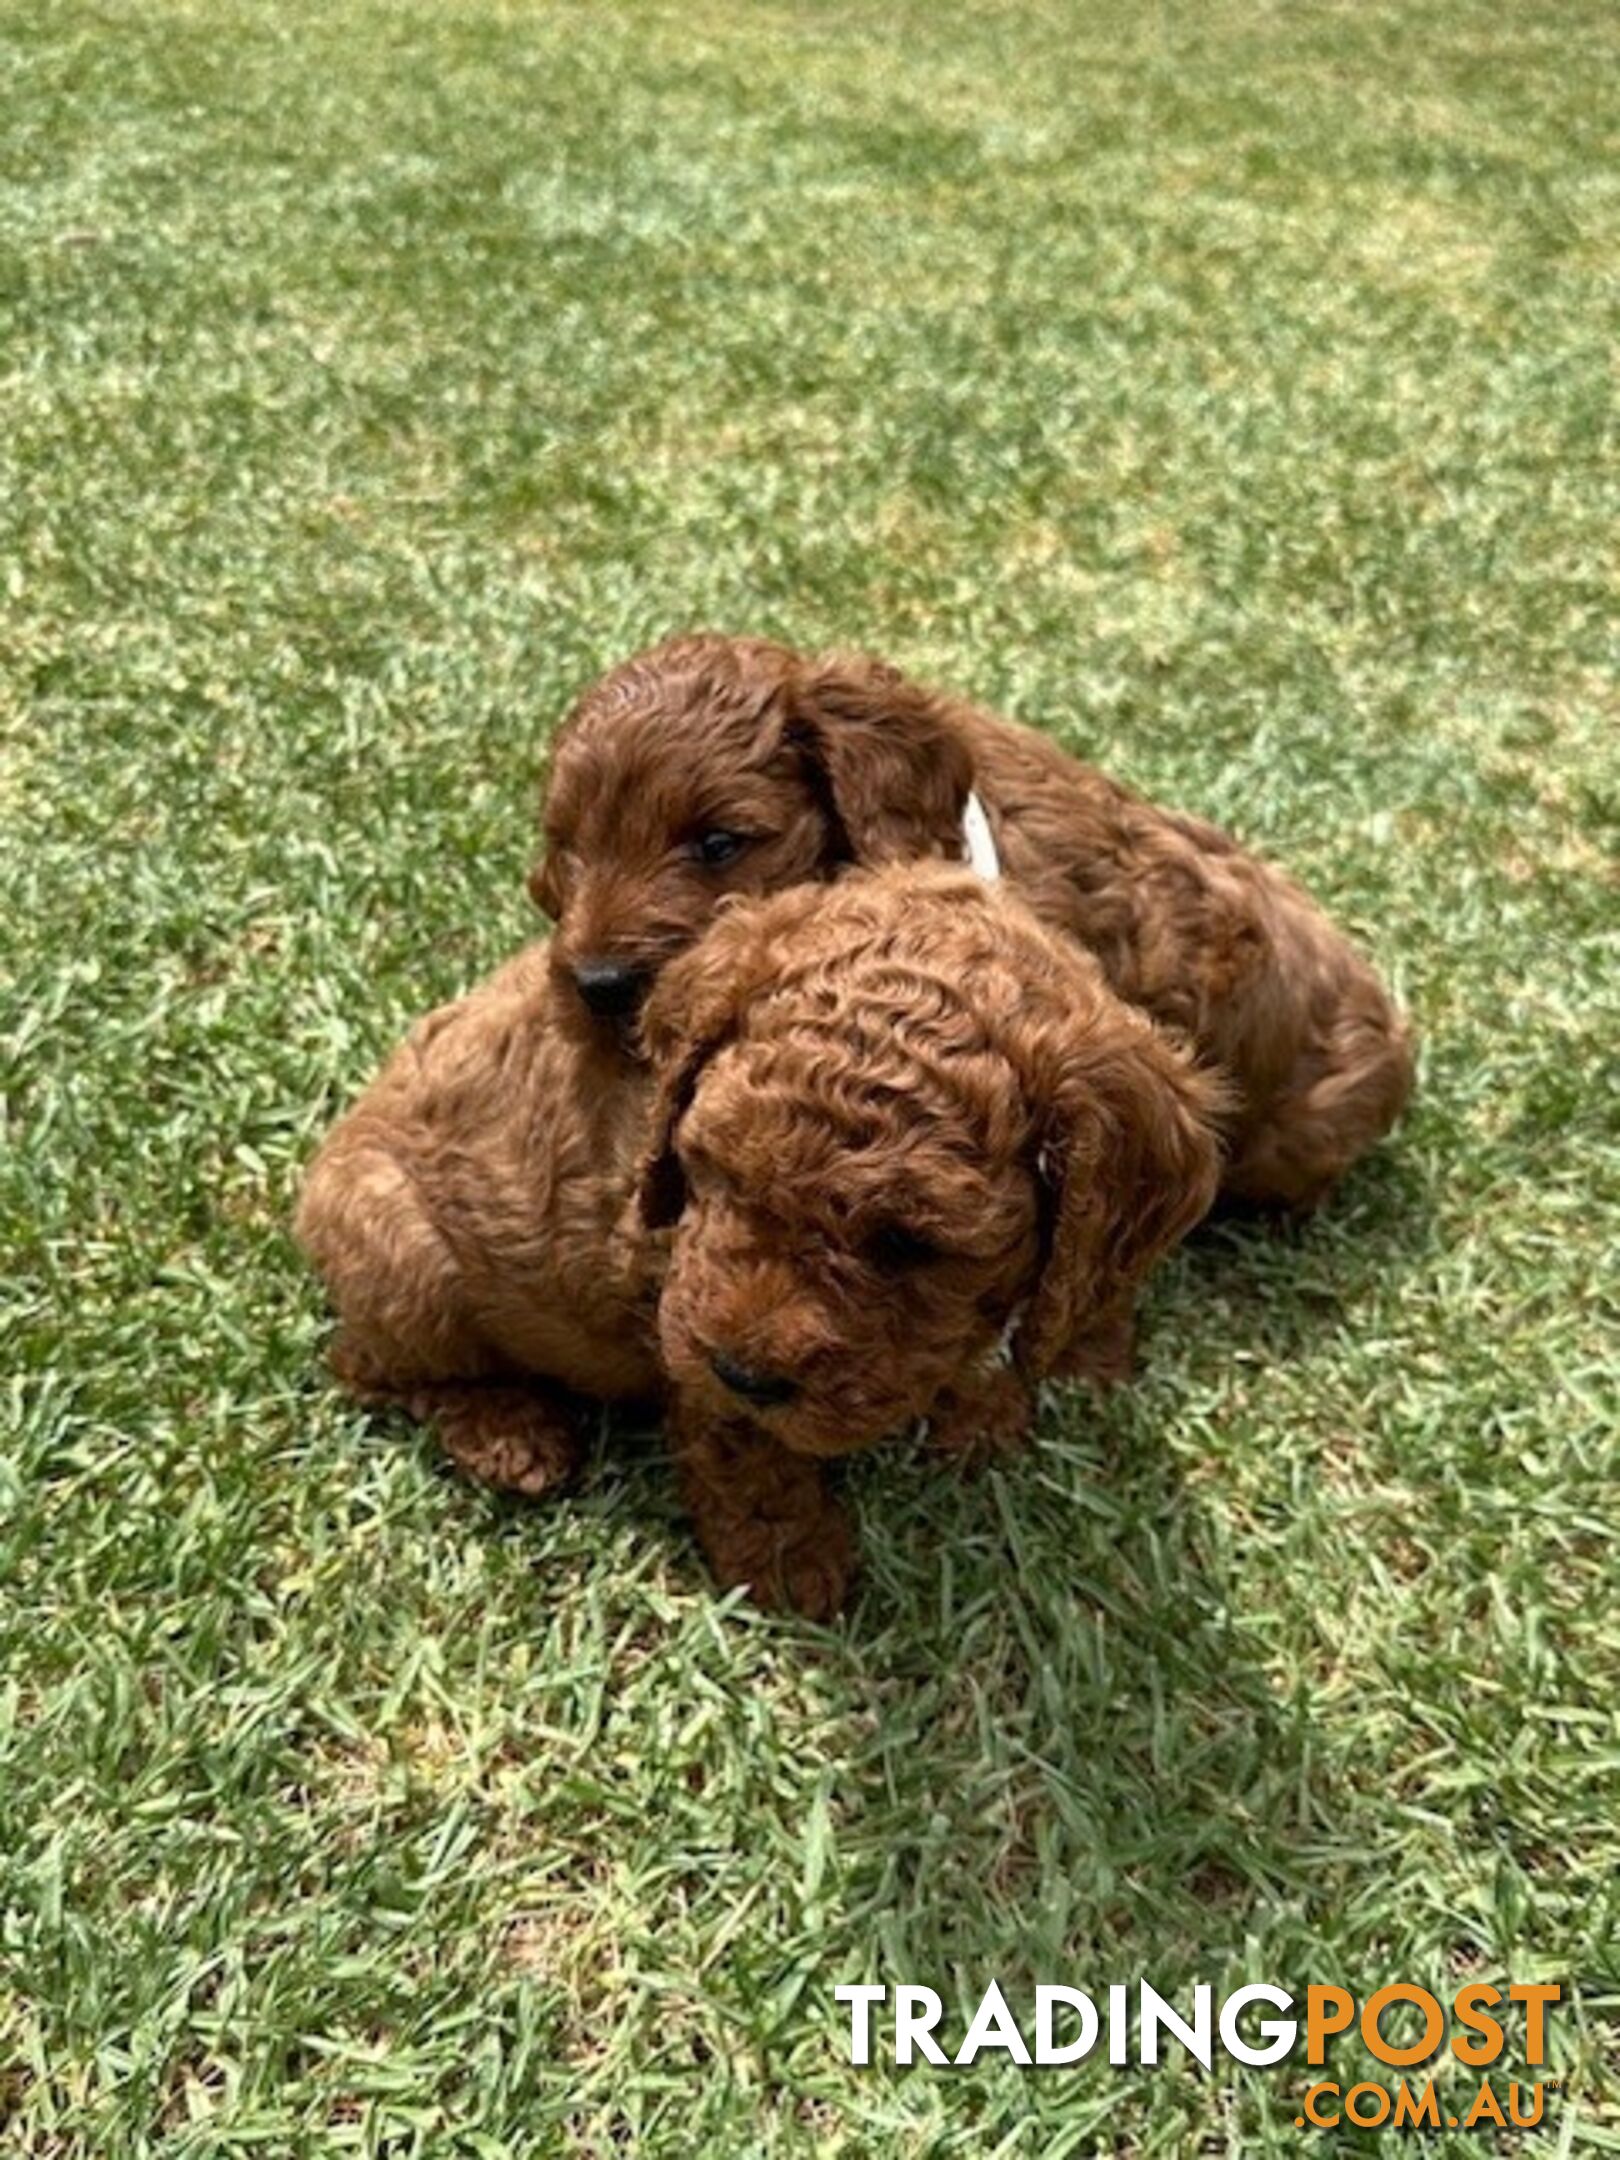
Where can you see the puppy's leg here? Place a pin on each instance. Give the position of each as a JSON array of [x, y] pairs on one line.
[[1350, 1089], [1105, 1354], [524, 1440], [406, 1337], [979, 1421], [764, 1517]]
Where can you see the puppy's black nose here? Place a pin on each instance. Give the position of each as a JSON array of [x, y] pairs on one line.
[[609, 987], [755, 1387]]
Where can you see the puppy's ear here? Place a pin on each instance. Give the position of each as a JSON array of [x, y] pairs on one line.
[[545, 888], [545, 876], [892, 765], [661, 1186], [696, 1007], [1130, 1159]]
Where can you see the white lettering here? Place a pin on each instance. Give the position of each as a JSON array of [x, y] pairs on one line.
[[860, 2000], [916, 2013], [1159, 2015], [1047, 1999], [1280, 2031], [993, 2026]]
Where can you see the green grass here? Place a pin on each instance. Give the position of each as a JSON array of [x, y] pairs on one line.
[[1227, 389]]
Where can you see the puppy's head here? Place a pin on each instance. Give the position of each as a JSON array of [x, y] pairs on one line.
[[894, 1120], [710, 766]]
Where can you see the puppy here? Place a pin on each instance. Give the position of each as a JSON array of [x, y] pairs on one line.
[[472, 1219], [917, 1157], [896, 1153], [710, 766]]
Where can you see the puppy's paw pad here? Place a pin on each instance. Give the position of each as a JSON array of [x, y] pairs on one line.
[[513, 1443], [532, 1465]]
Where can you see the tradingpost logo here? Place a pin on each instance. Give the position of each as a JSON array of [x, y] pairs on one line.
[[1483, 2028]]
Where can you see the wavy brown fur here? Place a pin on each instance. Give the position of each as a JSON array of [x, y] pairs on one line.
[[821, 762], [881, 1125]]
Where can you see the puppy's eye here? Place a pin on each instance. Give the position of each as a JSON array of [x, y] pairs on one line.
[[894, 1249], [715, 848]]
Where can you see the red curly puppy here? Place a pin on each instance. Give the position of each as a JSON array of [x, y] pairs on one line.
[[899, 1153], [711, 765]]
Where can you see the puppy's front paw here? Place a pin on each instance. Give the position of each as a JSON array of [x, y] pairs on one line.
[[815, 1575], [764, 1516], [982, 1423], [510, 1439], [800, 1566], [1105, 1355]]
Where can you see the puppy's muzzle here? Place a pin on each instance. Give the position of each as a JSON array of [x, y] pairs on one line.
[[768, 1390], [610, 988]]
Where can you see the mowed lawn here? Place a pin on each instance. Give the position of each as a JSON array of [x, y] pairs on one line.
[[1226, 389]]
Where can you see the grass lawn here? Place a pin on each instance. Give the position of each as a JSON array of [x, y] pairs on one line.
[[1227, 389]]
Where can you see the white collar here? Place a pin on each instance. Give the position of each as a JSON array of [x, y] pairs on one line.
[[978, 843]]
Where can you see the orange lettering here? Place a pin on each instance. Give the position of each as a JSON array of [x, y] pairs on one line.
[[1468, 2007], [1434, 2024], [1486, 2108], [1328, 2010], [1411, 2113], [1536, 1997], [1538, 2094], [1380, 2113], [1322, 2122]]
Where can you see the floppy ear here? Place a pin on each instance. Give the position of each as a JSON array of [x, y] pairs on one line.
[[545, 888], [1130, 1159], [894, 769], [695, 1009], [662, 1182]]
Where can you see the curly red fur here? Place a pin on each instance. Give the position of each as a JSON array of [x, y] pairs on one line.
[[882, 1127], [816, 763]]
